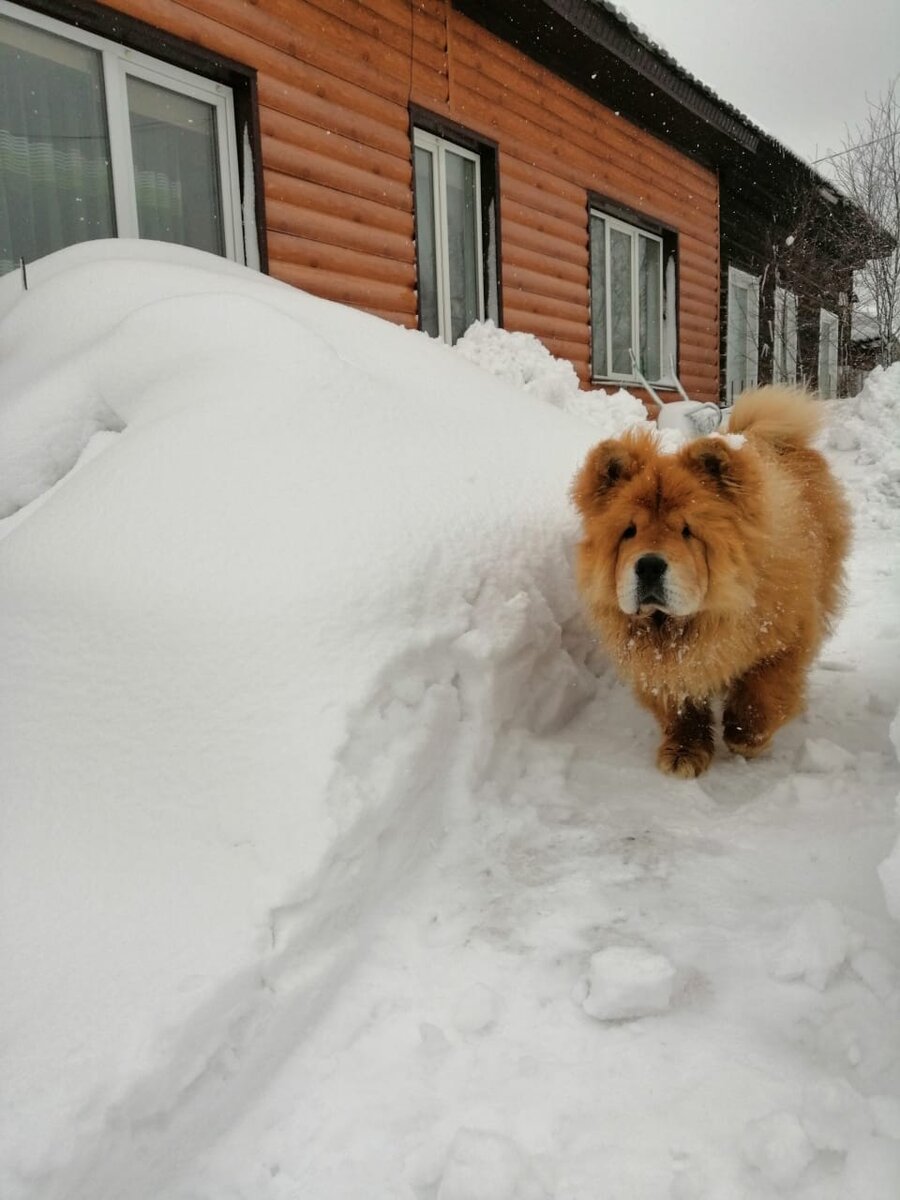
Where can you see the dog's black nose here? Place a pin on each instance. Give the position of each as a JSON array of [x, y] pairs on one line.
[[650, 569]]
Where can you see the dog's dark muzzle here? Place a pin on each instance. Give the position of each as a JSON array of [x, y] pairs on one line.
[[650, 570]]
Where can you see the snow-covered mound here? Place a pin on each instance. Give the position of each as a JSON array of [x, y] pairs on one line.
[[868, 426], [309, 565], [525, 361]]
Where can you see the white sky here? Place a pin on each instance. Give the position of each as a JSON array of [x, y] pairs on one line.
[[798, 68]]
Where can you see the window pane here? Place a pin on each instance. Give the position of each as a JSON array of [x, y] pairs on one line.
[[462, 243], [426, 250], [176, 167], [55, 183], [650, 305], [599, 366], [620, 300], [790, 325]]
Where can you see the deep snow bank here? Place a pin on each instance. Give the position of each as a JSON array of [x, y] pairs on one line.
[[867, 427], [253, 646]]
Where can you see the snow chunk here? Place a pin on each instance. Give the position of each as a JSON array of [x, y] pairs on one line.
[[520, 358], [487, 1166], [814, 947], [889, 870], [872, 1170], [779, 1148], [476, 1010], [885, 1111], [822, 757], [626, 982], [835, 1115], [610, 413], [889, 874], [734, 441]]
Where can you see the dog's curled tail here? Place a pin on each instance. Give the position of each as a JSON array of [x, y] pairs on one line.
[[784, 417]]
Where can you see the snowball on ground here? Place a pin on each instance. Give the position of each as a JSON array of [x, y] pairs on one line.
[[476, 1010], [889, 874], [814, 947], [889, 870], [834, 1115], [779, 1148], [487, 1166], [625, 982], [872, 1170], [822, 757]]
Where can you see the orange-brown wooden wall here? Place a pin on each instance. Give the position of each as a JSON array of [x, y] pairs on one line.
[[336, 78]]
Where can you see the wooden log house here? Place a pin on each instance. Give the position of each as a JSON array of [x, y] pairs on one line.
[[430, 161]]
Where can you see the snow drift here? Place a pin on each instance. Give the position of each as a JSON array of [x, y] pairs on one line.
[[308, 568]]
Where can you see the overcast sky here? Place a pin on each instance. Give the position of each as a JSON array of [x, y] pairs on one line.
[[798, 68]]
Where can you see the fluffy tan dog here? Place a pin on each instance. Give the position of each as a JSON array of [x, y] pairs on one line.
[[715, 571]]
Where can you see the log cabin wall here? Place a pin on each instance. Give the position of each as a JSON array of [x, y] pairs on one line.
[[336, 79]]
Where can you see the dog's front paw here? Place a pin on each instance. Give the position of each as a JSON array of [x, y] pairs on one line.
[[751, 748], [684, 761], [742, 738]]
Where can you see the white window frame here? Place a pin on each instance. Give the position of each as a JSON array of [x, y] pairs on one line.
[[742, 345], [118, 63], [784, 356], [438, 148], [828, 321], [633, 232]]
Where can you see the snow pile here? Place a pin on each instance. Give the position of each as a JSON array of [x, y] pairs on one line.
[[523, 360], [868, 426], [256, 649]]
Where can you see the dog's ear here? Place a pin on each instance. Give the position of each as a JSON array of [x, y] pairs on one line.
[[715, 462], [608, 465]]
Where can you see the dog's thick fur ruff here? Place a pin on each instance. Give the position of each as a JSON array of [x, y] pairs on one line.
[[754, 531]]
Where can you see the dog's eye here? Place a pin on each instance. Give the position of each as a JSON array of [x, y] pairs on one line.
[[629, 532], [686, 532]]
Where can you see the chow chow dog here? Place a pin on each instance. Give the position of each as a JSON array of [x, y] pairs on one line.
[[715, 571]]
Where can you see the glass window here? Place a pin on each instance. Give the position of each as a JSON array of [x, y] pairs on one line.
[[55, 177], [464, 251], [599, 321], [650, 304], [176, 167], [97, 141], [626, 300], [742, 348], [426, 244], [620, 300], [829, 331], [448, 237], [784, 363]]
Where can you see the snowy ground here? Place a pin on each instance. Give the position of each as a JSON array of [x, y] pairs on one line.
[[330, 869]]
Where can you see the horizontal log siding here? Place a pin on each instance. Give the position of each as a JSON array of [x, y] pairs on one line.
[[335, 80]]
